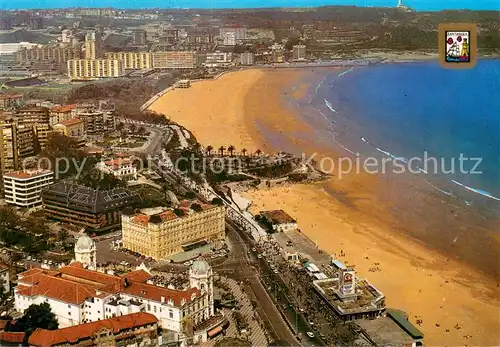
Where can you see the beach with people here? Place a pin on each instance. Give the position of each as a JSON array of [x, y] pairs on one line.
[[430, 255]]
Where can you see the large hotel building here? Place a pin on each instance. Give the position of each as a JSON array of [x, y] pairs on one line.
[[132, 60], [81, 69], [160, 233]]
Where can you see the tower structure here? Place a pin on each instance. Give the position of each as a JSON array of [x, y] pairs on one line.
[[201, 277], [400, 3], [85, 252]]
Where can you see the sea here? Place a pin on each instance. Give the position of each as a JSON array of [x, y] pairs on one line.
[[442, 125], [419, 5]]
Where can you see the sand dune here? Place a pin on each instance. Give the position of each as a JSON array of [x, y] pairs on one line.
[[246, 109]]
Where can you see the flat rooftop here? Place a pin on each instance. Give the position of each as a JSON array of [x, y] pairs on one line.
[[367, 299], [28, 174], [277, 217], [384, 331]]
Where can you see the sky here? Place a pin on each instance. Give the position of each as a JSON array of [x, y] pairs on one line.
[[419, 5]]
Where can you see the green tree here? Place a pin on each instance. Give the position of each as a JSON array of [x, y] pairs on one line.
[[36, 316]]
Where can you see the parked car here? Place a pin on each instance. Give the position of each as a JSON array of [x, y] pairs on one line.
[[310, 334]]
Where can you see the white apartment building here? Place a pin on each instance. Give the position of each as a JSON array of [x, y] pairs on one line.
[[23, 188], [218, 59], [78, 295], [246, 58], [229, 39]]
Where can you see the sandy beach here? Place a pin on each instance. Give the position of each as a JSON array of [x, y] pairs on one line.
[[247, 109]]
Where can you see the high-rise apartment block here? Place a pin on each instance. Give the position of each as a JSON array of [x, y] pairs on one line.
[[81, 69], [132, 60]]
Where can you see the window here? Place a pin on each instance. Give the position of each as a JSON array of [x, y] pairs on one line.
[[170, 314]]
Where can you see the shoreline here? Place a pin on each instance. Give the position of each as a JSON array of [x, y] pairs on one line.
[[415, 278]]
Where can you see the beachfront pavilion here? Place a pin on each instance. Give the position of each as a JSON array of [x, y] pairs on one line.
[[365, 301]]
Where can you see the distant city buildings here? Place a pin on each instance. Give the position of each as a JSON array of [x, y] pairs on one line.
[[163, 232], [139, 37], [35, 23], [176, 60], [93, 45], [238, 32], [95, 210], [132, 60], [23, 188], [48, 57], [229, 39], [218, 59], [299, 52], [10, 101], [247, 58]]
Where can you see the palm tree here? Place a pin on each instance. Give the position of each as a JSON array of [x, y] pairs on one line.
[[258, 152], [244, 151], [209, 149], [231, 150], [221, 150]]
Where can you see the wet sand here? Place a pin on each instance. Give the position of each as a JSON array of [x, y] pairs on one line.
[[360, 214]]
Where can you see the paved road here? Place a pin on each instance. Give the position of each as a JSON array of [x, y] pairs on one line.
[[241, 265]]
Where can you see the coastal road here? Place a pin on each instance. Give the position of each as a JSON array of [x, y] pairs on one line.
[[241, 265], [266, 274]]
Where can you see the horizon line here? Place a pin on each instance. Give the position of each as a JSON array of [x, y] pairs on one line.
[[238, 8]]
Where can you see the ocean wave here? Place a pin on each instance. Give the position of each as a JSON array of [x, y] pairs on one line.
[[389, 154], [438, 189], [477, 191], [345, 72], [317, 87], [329, 105], [339, 144]]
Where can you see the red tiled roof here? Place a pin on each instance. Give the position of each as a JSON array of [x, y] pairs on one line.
[[71, 121], [137, 276], [12, 337], [108, 282], [3, 267], [63, 108], [155, 293], [118, 162], [59, 289], [168, 215], [74, 284], [72, 335], [141, 219]]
